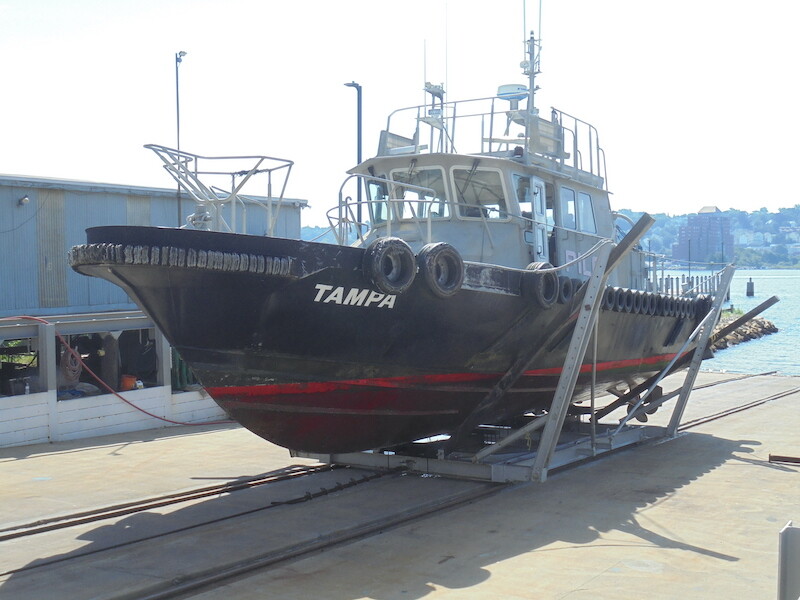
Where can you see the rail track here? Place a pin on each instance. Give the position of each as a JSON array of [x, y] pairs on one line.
[[117, 511], [129, 508]]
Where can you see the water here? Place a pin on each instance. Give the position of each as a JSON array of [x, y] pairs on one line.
[[776, 352]]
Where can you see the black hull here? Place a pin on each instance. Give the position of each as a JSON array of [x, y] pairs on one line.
[[292, 341]]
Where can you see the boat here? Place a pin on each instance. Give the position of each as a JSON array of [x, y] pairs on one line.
[[455, 266]]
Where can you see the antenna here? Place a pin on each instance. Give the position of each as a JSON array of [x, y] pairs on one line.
[[540, 20], [530, 67], [446, 45], [526, 34], [425, 66], [524, 23]]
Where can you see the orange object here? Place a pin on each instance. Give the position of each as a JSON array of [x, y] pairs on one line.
[[127, 382]]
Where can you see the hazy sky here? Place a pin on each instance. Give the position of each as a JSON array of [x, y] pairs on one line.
[[696, 101]]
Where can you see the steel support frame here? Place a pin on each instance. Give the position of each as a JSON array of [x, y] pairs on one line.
[[553, 423], [505, 468], [702, 343]]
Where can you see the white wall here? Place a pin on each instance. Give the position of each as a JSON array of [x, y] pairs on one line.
[[37, 418], [24, 419]]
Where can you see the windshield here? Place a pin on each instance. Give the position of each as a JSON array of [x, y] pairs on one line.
[[419, 203], [480, 194]]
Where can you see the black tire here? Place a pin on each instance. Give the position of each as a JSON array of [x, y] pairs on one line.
[[684, 307], [691, 309], [638, 297], [619, 299], [669, 306], [565, 289], [389, 265], [652, 304], [609, 299], [442, 268], [702, 306], [540, 284], [659, 302], [628, 300]]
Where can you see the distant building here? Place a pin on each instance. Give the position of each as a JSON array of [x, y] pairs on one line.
[[706, 237]]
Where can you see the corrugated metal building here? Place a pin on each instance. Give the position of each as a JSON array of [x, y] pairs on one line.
[[46, 394], [40, 219]]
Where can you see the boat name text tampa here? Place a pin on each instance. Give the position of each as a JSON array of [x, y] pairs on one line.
[[353, 297]]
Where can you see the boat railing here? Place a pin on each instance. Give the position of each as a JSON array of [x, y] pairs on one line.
[[343, 217], [493, 126], [676, 278], [588, 154], [212, 187], [419, 212]]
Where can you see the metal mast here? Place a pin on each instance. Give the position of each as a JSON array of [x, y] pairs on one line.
[[530, 67]]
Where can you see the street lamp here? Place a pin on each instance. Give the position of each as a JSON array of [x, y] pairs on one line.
[[353, 84], [178, 60]]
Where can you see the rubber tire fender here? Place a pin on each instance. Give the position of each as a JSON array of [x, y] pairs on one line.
[[540, 286], [389, 265], [638, 297], [659, 303], [685, 307], [609, 301], [619, 299], [442, 268], [566, 289], [691, 308], [652, 304], [704, 303], [669, 307], [628, 297]]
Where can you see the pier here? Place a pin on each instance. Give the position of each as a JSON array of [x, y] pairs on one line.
[[695, 516]]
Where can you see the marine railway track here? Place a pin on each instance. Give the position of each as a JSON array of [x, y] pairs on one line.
[[129, 508], [184, 587]]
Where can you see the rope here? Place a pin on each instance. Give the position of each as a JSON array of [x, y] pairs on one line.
[[77, 358]]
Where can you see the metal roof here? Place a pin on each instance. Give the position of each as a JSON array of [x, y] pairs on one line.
[[74, 185]]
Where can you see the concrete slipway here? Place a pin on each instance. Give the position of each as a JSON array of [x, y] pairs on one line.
[[694, 517]]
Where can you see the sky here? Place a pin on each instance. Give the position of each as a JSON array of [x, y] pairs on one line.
[[696, 102]]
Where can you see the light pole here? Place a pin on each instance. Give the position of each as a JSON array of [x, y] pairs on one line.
[[178, 60], [353, 84]]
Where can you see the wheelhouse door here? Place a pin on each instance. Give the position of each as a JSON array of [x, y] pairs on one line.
[[532, 206], [540, 221]]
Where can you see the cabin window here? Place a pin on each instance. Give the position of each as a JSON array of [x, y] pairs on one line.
[[538, 200], [480, 194], [586, 213], [376, 190], [421, 203], [568, 213], [522, 185], [532, 203]]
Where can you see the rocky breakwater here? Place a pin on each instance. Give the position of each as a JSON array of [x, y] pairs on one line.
[[753, 329]]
